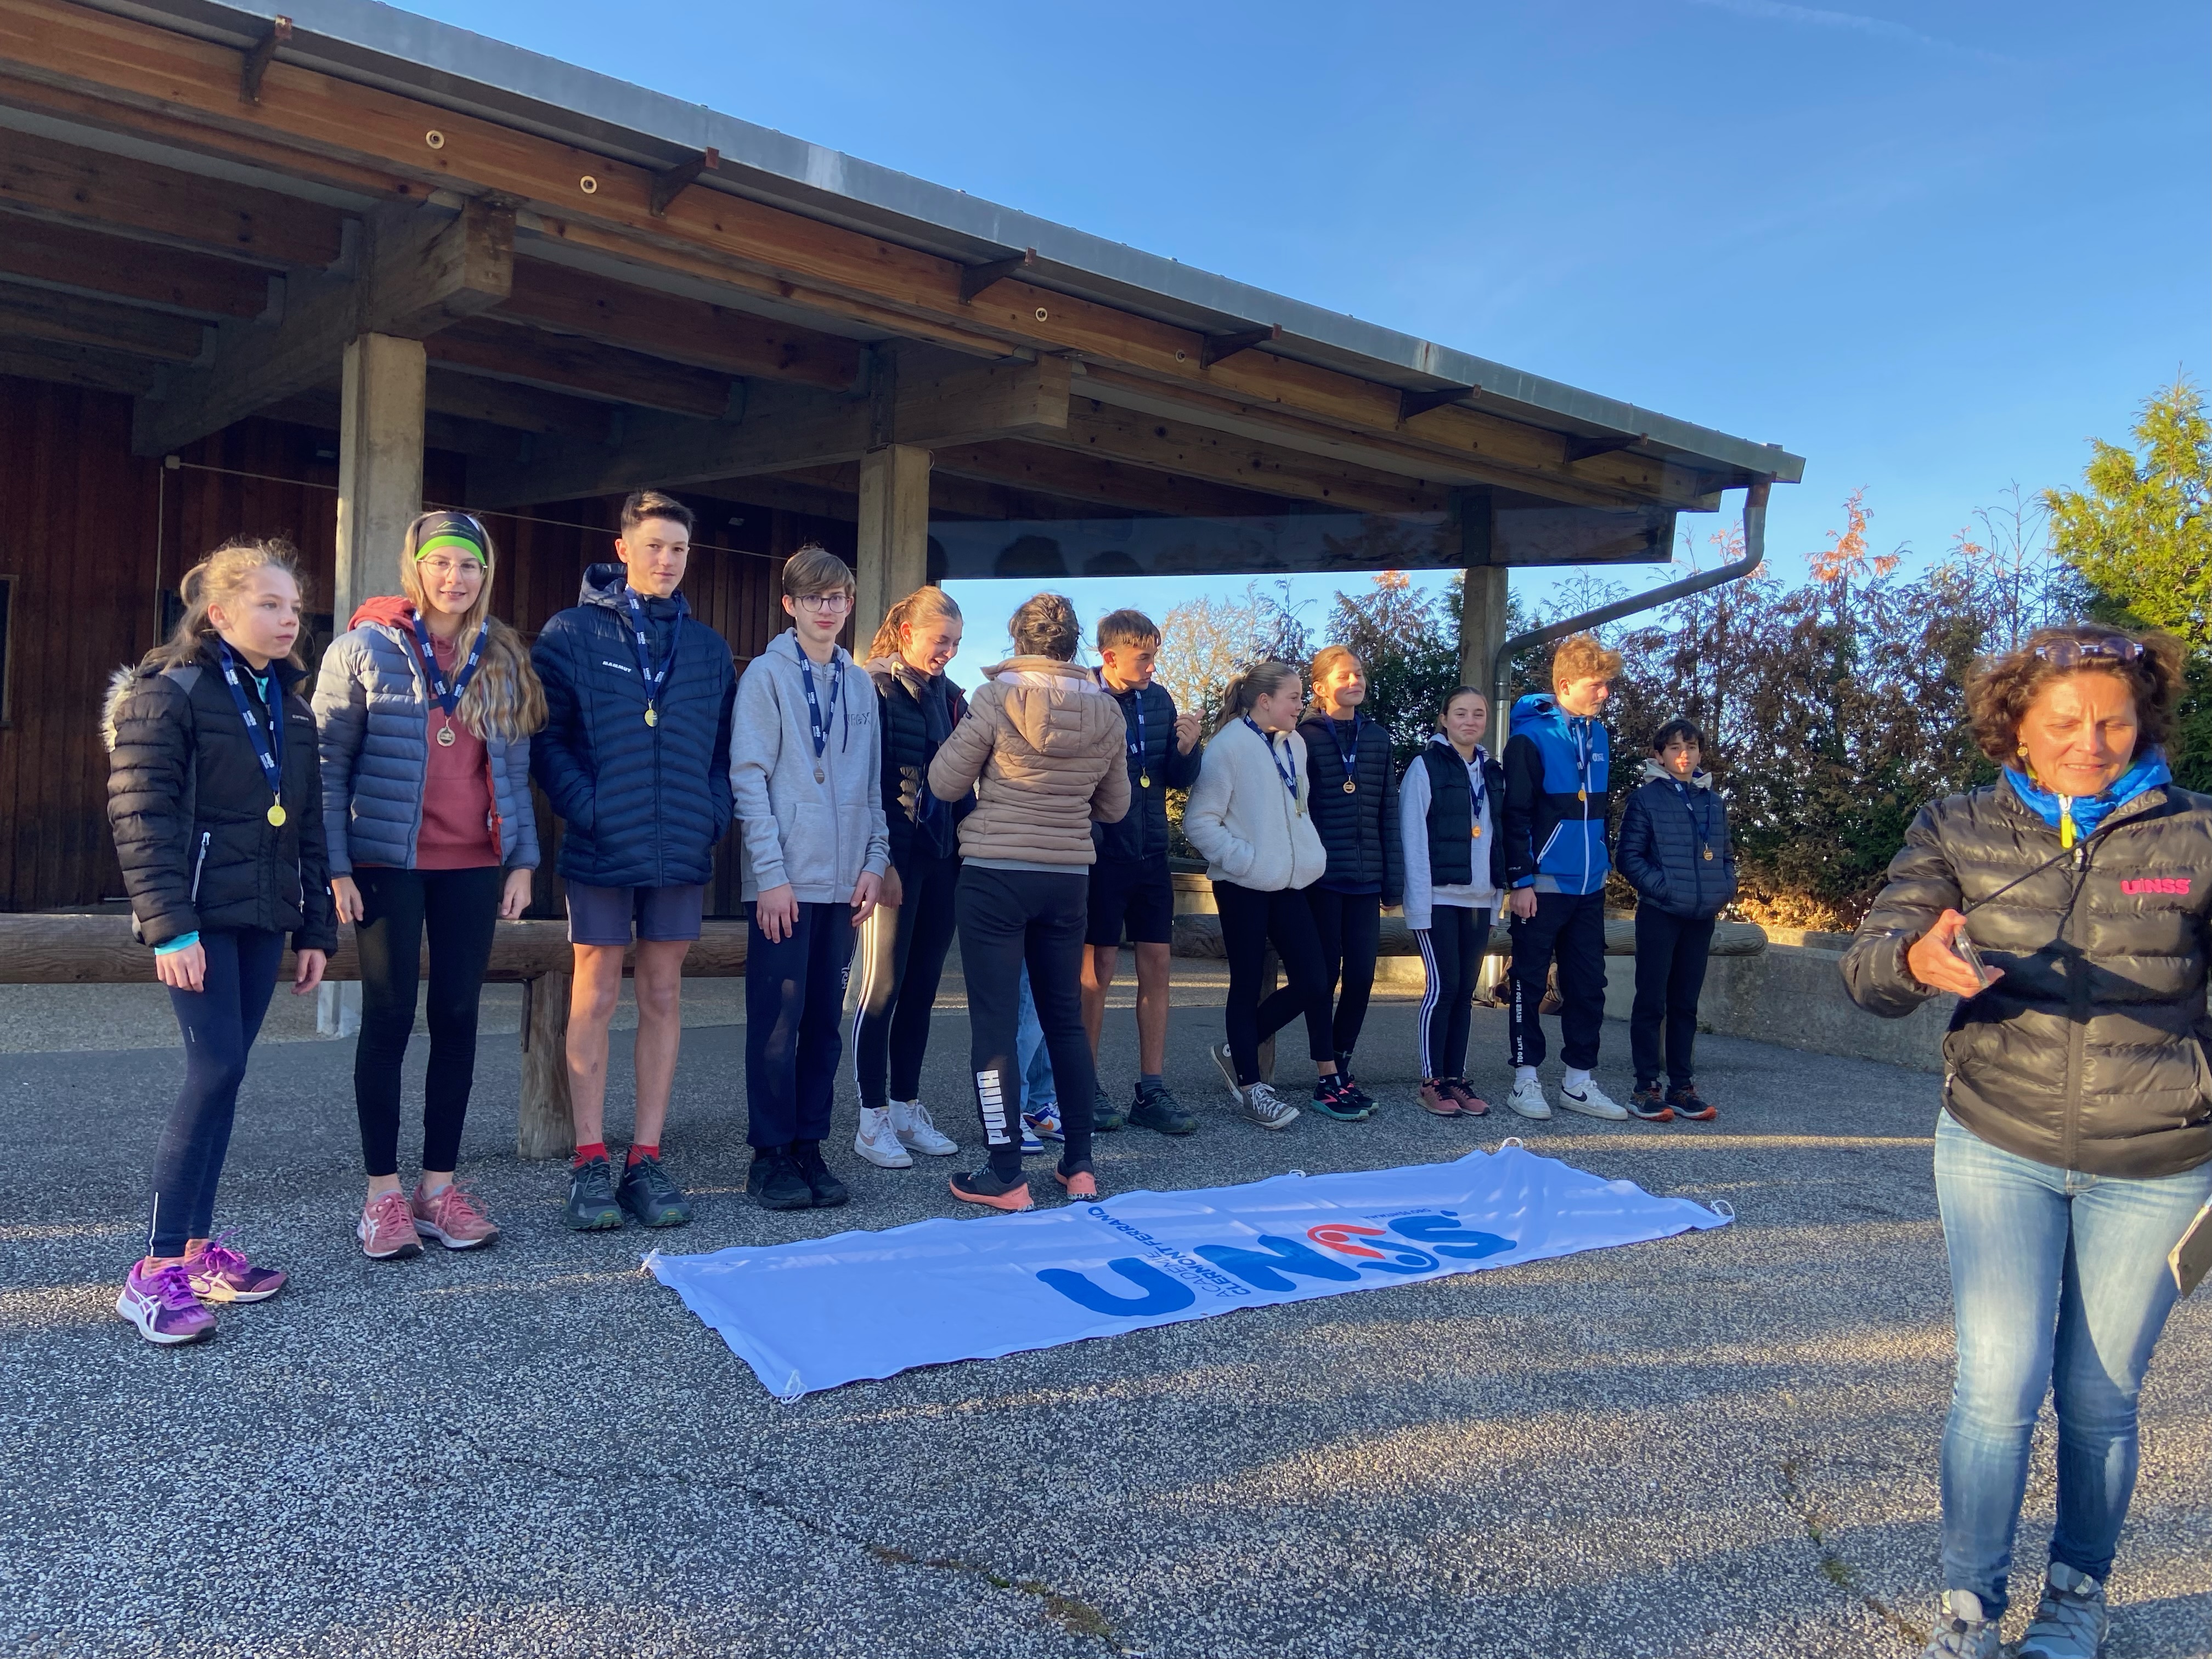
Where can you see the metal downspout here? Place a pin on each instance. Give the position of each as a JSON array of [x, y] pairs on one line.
[[1754, 552]]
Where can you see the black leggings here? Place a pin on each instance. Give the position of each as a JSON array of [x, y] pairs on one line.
[[901, 959], [1010, 918], [460, 908], [1350, 927], [1249, 919], [220, 1021], [1452, 947]]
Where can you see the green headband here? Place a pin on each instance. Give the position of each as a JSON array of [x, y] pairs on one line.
[[438, 543]]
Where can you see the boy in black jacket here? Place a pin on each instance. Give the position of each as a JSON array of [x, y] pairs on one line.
[[1131, 887], [1675, 850]]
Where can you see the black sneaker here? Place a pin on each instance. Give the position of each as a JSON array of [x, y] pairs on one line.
[[1105, 1115], [1683, 1097], [1648, 1101], [1156, 1109], [775, 1181], [591, 1208], [1332, 1099], [648, 1194], [824, 1190]]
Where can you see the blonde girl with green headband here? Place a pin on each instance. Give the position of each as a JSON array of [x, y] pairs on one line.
[[425, 709]]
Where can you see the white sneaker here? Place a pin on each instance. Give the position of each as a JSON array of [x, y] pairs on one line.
[[877, 1142], [911, 1123], [1264, 1107], [1220, 1051], [1528, 1098], [1593, 1101]]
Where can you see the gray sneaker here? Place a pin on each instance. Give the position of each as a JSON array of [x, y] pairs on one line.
[[1220, 1053], [1106, 1116], [648, 1194], [2070, 1621], [1962, 1632], [591, 1208], [1158, 1108], [1264, 1107]]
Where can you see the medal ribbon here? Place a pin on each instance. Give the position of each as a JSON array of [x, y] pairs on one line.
[[644, 642], [817, 722], [1287, 772], [449, 698], [1137, 749], [1477, 794], [1351, 758], [268, 751]]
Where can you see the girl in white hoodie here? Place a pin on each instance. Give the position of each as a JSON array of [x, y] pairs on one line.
[[1249, 814]]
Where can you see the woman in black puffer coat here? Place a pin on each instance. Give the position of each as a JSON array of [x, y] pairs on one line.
[[214, 794], [1355, 811], [2074, 1143]]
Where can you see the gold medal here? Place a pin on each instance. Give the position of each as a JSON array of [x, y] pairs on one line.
[[1582, 795], [1475, 834], [277, 813], [652, 715], [445, 737], [1349, 787], [1144, 780], [1709, 855]]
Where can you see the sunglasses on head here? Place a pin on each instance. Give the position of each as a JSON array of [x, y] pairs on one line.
[[2067, 653]]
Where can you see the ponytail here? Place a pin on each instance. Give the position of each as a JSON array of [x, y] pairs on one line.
[[221, 579], [924, 604], [1261, 679]]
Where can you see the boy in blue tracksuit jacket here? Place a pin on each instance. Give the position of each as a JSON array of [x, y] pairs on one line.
[[1558, 770]]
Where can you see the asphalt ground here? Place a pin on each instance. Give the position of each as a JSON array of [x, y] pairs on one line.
[[1719, 1444]]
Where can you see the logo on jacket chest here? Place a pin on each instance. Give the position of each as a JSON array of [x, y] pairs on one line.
[[2177, 885]]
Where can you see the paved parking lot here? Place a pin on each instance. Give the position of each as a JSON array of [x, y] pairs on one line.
[[1719, 1444]]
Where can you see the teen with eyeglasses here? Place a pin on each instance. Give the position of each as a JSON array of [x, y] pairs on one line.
[[425, 708], [634, 757], [805, 769]]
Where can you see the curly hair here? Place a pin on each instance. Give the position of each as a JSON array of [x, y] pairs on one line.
[[1045, 626], [2002, 689], [1581, 657]]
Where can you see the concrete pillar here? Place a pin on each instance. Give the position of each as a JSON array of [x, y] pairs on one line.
[[380, 467], [1481, 631], [894, 555]]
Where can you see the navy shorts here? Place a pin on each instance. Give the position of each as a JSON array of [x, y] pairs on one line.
[[603, 916], [1136, 895]]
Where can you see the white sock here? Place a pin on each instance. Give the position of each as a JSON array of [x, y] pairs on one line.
[[1524, 1074], [1574, 1082]]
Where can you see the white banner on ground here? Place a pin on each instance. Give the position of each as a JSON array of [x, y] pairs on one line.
[[821, 1312]]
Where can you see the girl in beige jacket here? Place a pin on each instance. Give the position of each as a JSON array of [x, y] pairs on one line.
[[1249, 815], [1042, 746]]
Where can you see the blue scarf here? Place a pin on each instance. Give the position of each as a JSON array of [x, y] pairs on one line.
[[2077, 815]]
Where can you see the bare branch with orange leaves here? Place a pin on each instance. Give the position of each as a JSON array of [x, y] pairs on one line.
[[1846, 554]]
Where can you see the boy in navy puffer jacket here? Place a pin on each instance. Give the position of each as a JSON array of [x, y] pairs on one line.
[[1557, 773], [634, 757]]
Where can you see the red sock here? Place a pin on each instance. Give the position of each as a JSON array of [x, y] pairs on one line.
[[586, 1153], [638, 1151]]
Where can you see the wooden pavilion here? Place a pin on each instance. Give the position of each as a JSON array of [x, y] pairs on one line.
[[301, 274]]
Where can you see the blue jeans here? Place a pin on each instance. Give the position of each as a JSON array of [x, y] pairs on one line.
[[1038, 1091], [2058, 1283]]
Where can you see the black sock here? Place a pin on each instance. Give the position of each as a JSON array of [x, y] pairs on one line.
[[1006, 1162]]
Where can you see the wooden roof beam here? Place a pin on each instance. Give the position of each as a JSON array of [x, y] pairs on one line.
[[39, 313], [520, 407], [422, 272], [1072, 476], [561, 362], [565, 300], [77, 365], [70, 256], [84, 187], [784, 426]]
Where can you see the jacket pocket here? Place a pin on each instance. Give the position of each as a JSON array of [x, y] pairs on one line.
[[1550, 840], [199, 864], [808, 832]]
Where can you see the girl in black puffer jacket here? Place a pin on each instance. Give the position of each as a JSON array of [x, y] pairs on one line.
[[1355, 811], [2074, 1143], [215, 795]]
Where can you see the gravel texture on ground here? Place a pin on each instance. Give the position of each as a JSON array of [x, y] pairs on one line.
[[1720, 1445]]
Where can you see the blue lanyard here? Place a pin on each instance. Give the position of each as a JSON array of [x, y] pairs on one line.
[[1138, 751], [1349, 757], [817, 722], [449, 697], [1288, 773], [652, 681], [270, 752], [1478, 789], [1583, 747]]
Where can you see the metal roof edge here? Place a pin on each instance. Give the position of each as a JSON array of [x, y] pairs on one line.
[[452, 65]]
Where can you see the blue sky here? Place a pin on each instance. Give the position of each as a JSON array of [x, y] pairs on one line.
[[1932, 247]]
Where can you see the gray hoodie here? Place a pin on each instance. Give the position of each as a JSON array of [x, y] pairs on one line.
[[818, 837]]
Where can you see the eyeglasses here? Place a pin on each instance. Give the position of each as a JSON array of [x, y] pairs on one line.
[[445, 569], [824, 603], [2068, 653]]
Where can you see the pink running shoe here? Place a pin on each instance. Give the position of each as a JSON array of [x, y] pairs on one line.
[[453, 1218], [386, 1228], [219, 1273], [159, 1302]]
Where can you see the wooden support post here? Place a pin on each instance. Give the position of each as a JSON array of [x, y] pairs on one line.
[[544, 1126], [1481, 631], [893, 545], [380, 466]]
